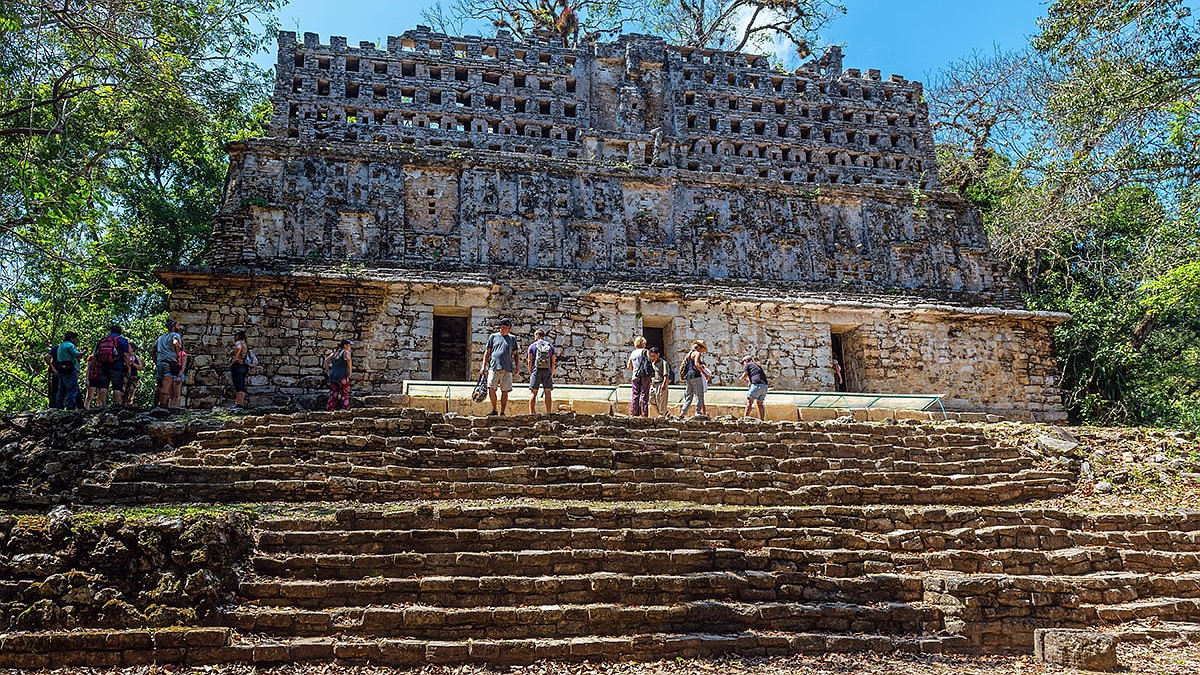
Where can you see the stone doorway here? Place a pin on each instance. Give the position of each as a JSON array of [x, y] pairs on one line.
[[839, 362], [657, 332], [451, 340]]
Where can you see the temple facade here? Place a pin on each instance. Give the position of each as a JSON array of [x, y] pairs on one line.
[[409, 197]]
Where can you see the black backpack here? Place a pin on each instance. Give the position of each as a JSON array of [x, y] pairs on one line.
[[643, 367]]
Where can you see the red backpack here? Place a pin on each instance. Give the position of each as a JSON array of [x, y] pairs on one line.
[[108, 349]]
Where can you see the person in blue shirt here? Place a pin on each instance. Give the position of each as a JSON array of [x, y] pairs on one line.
[[499, 361], [66, 362]]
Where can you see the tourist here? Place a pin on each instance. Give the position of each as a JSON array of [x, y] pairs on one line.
[[179, 380], [339, 366], [694, 374], [167, 365], [498, 362], [640, 375], [238, 368], [50, 357], [757, 393], [66, 362], [111, 356], [92, 378], [136, 365], [541, 359], [659, 382]]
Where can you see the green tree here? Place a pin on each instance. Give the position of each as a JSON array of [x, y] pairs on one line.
[[1082, 153], [112, 119], [736, 25]]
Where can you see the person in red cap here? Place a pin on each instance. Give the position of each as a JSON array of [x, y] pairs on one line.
[[338, 368]]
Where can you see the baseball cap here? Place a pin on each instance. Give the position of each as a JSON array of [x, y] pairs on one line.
[[506, 322], [747, 358], [345, 342]]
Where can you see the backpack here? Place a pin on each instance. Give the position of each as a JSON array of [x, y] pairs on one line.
[[108, 349], [541, 355], [251, 360], [643, 367], [687, 370]]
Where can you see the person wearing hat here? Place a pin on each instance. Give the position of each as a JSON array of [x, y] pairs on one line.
[[757, 393], [168, 349], [339, 366], [498, 361]]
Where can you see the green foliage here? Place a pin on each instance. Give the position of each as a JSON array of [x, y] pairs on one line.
[[113, 117], [1083, 153]]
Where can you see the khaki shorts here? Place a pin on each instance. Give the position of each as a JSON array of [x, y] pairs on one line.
[[501, 379]]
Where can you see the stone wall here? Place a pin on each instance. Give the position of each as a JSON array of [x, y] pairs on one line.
[[289, 204], [994, 361], [46, 456], [92, 570]]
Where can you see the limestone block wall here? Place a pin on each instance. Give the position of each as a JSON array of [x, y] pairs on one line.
[[993, 361]]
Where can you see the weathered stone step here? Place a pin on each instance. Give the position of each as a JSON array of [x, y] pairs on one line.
[[559, 621], [823, 562], [525, 476], [285, 463], [1104, 588], [205, 646], [603, 587], [395, 421], [538, 539], [1154, 629], [635, 515], [982, 492], [1177, 609], [322, 566]]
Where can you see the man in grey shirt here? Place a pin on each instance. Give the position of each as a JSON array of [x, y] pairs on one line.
[[499, 364]]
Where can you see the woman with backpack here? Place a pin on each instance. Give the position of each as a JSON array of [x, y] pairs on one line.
[[641, 373], [239, 368], [694, 375]]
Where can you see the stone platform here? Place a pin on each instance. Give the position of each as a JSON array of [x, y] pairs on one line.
[[402, 537]]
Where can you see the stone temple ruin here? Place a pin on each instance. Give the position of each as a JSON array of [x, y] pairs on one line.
[[409, 197]]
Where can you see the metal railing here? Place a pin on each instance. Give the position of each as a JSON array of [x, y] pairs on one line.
[[715, 396]]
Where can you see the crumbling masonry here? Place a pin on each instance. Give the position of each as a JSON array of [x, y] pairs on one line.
[[409, 197]]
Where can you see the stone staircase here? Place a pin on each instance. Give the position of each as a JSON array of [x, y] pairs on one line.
[[397, 455], [580, 537]]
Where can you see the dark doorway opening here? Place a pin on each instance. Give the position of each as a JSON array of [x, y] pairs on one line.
[[839, 362], [654, 337], [450, 343]]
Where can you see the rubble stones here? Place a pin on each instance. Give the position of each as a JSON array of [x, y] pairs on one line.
[[1057, 446]]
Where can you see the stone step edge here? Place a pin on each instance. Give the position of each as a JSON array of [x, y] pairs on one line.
[[1139, 632], [209, 646]]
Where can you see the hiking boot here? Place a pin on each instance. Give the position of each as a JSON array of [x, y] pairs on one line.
[[493, 414]]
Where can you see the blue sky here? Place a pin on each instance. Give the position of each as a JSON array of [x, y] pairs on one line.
[[914, 38]]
